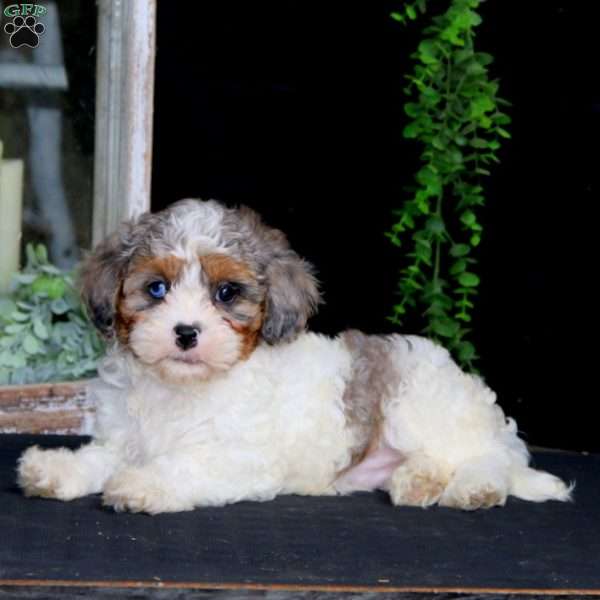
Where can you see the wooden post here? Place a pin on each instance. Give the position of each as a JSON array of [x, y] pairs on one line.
[[124, 110]]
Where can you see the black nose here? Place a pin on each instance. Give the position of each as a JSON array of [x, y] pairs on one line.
[[187, 336]]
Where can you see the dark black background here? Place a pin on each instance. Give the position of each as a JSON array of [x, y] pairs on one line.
[[295, 108]]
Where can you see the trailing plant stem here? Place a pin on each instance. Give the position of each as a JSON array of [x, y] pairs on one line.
[[454, 116]]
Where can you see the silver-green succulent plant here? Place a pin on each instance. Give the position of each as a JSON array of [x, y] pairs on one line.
[[45, 334]]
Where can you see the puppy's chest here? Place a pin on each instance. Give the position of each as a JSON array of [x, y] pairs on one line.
[[172, 420], [257, 409]]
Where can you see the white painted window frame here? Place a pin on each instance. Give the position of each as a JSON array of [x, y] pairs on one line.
[[124, 112]]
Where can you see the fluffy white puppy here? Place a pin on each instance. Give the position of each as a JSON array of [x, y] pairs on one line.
[[213, 392]]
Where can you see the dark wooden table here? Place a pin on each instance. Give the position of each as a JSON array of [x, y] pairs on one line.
[[299, 547]]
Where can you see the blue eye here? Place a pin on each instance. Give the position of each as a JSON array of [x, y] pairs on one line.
[[157, 289]]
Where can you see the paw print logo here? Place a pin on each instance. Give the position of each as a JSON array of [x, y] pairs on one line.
[[24, 32]]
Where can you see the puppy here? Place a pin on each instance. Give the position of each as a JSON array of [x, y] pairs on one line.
[[212, 392]]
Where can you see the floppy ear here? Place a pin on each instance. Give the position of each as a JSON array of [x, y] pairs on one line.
[[100, 277], [292, 294]]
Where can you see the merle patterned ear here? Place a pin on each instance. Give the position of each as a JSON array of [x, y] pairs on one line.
[[292, 293], [100, 279], [292, 297], [101, 274]]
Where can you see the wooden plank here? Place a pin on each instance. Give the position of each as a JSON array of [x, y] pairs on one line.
[[12, 395], [62, 407], [191, 585], [60, 421]]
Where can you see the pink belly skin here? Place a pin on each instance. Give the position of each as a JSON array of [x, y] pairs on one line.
[[372, 472]]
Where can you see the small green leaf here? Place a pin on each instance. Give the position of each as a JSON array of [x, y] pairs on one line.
[[16, 360], [468, 280], [458, 267], [411, 130], [438, 142], [31, 345], [468, 218], [7, 306], [412, 109], [59, 306], [51, 270], [18, 316], [5, 358], [31, 255], [459, 250], [501, 118], [466, 352], [479, 143], [455, 156], [426, 176], [427, 52], [399, 309], [41, 253], [14, 328], [40, 330], [394, 239], [431, 94], [445, 327], [435, 225], [464, 304], [24, 278]]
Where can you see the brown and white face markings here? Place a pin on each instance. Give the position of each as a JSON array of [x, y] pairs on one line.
[[134, 297], [189, 317], [192, 290], [238, 295]]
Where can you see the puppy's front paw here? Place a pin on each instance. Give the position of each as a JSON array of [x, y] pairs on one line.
[[140, 490], [50, 474]]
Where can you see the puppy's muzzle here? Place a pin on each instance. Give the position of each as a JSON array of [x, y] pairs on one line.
[[186, 336]]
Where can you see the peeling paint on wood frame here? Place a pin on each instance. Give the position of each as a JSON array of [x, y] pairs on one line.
[[124, 110], [46, 408]]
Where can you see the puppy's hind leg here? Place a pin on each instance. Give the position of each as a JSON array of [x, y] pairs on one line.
[[479, 482], [65, 474], [418, 481]]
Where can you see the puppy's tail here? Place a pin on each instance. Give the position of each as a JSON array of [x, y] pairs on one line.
[[538, 486]]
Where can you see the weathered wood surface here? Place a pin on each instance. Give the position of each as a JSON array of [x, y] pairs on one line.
[[62, 407], [75, 593]]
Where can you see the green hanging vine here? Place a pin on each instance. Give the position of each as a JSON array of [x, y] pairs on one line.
[[455, 114]]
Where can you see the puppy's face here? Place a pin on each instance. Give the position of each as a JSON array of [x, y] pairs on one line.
[[189, 318], [191, 291]]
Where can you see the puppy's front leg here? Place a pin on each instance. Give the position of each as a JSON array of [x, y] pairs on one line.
[[178, 482], [65, 474]]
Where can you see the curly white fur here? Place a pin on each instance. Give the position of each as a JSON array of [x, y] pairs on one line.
[[275, 424]]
